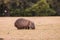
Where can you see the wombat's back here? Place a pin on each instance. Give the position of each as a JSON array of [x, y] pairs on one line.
[[22, 22]]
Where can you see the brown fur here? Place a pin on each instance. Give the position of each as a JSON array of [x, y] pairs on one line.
[[24, 24]]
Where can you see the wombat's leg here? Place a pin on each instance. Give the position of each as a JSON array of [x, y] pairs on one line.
[[20, 28], [1, 39], [28, 27]]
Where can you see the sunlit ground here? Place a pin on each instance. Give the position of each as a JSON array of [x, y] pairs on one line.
[[47, 28]]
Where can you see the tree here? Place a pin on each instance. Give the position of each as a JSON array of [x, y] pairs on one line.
[[55, 4], [4, 11], [41, 8]]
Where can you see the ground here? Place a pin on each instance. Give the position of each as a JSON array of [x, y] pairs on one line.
[[47, 28]]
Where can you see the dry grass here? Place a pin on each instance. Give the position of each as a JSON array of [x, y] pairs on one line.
[[47, 28]]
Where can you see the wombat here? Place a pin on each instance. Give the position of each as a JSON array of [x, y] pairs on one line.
[[24, 24]]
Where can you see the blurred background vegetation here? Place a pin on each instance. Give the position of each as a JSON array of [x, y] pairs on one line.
[[29, 7]]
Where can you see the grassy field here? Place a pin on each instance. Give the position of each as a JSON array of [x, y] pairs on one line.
[[47, 28]]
